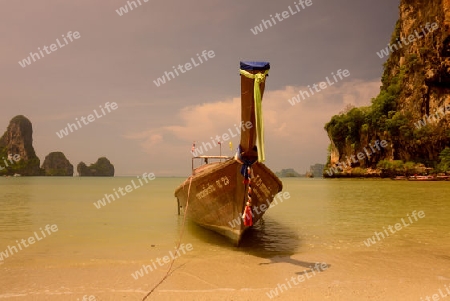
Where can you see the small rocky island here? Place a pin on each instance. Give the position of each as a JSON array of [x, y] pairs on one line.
[[56, 164], [19, 158], [17, 142], [288, 173], [101, 168]]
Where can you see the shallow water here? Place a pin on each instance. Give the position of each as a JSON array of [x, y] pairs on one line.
[[327, 218]]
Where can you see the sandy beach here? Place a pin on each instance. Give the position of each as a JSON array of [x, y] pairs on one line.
[[350, 276]]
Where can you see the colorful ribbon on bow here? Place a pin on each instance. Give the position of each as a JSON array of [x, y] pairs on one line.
[[259, 78]]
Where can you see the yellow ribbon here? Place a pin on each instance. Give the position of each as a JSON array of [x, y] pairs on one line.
[[259, 78]]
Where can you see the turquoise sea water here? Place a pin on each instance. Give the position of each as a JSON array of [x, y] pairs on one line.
[[326, 217]]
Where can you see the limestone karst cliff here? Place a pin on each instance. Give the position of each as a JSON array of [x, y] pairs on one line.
[[17, 143], [101, 168], [412, 111], [56, 164], [17, 156]]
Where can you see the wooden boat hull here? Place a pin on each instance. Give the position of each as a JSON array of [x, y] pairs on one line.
[[217, 196]]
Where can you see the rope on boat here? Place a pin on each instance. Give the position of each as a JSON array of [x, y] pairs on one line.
[[247, 216], [178, 245]]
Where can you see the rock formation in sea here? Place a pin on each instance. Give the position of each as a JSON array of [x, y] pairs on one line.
[[56, 164], [101, 168], [288, 173], [17, 143], [412, 110]]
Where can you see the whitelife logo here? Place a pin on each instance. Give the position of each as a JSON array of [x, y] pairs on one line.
[[188, 66], [397, 226], [162, 261], [263, 207], [296, 280], [49, 49], [225, 137], [436, 297], [280, 17], [411, 38], [319, 87], [16, 158], [110, 197], [124, 9], [360, 155], [31, 240], [444, 110], [86, 120]]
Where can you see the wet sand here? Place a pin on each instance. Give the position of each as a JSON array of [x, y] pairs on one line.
[[366, 275]]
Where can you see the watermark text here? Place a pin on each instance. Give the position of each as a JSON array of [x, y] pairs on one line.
[[86, 120], [262, 207], [49, 49], [398, 226], [162, 261], [430, 27], [130, 4], [112, 197], [10, 250], [266, 24], [360, 155], [206, 146], [296, 280], [168, 76], [316, 88]]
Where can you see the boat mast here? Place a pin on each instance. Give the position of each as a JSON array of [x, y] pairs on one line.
[[249, 135]]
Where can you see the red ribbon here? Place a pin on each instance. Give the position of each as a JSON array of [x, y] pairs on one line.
[[248, 220]]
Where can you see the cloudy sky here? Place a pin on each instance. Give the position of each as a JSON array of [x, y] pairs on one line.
[[117, 58]]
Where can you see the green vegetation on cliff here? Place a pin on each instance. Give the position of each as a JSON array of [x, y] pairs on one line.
[[56, 164], [22, 167], [18, 141], [415, 84], [444, 156], [101, 168]]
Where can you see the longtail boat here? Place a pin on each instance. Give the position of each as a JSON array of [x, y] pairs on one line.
[[231, 195]]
